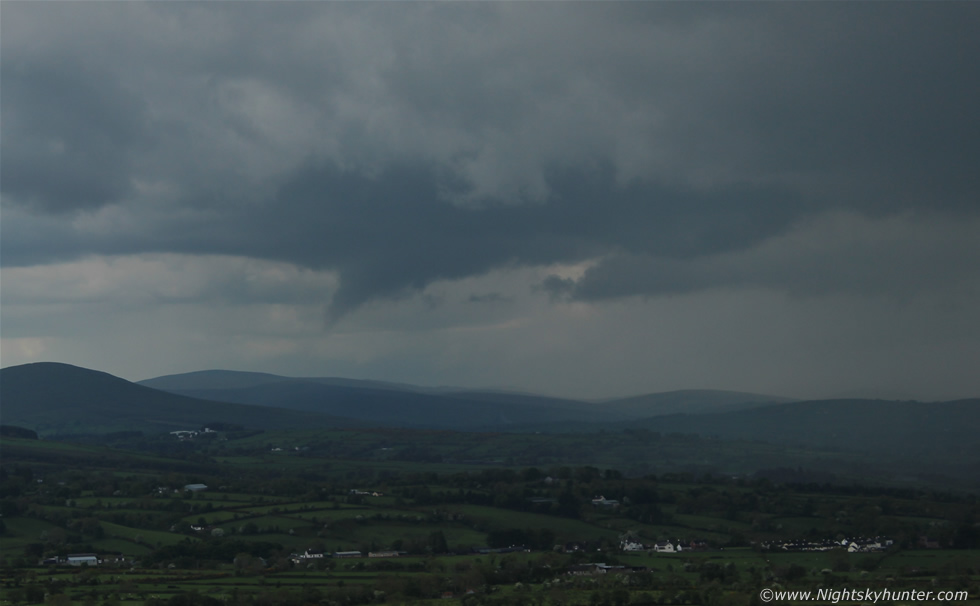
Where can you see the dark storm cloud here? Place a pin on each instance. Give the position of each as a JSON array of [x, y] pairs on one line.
[[869, 105], [68, 135], [392, 233], [898, 258], [399, 145]]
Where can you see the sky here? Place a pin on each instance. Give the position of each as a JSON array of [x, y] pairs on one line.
[[580, 199]]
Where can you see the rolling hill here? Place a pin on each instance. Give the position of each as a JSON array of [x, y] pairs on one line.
[[898, 428], [402, 408], [441, 408], [936, 439], [690, 401], [54, 398]]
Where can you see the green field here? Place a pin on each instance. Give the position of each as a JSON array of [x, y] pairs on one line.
[[263, 507]]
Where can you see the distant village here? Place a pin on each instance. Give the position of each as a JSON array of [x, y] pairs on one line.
[[190, 434], [857, 545]]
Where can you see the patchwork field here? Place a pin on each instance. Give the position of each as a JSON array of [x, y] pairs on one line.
[[268, 530]]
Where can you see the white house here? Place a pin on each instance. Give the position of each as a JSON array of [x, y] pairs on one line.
[[83, 559]]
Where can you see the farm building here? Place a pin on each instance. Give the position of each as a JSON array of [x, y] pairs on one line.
[[83, 559]]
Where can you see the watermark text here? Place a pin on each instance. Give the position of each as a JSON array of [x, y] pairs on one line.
[[874, 596]]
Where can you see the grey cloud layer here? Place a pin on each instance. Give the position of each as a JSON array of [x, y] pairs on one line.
[[899, 258], [398, 145]]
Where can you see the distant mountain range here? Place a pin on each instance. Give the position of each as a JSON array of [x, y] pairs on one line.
[[442, 408], [58, 399]]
